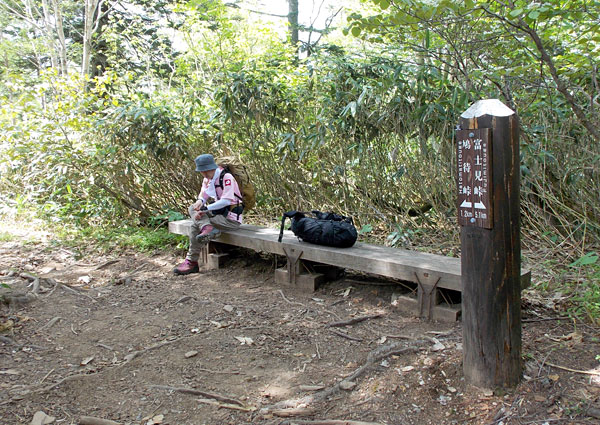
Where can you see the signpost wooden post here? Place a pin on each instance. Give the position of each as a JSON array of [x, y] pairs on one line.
[[488, 213]]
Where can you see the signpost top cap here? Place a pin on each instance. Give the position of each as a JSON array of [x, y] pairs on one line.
[[491, 107]]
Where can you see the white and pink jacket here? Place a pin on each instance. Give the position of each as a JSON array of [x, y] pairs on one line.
[[228, 194]]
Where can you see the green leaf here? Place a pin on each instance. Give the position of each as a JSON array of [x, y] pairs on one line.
[[586, 260], [384, 4], [534, 14], [516, 12], [356, 31], [367, 228]]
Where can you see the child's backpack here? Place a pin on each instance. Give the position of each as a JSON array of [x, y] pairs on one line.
[[239, 171], [324, 229]]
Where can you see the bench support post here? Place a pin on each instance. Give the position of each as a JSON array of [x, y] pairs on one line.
[[293, 274], [428, 304], [212, 257]]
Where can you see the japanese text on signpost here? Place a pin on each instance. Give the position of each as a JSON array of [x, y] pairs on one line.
[[474, 177]]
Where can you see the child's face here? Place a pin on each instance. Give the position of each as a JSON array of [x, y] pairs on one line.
[[208, 174]]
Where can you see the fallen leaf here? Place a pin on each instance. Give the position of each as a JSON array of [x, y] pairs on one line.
[[158, 419], [130, 356], [40, 418], [84, 279], [9, 372], [245, 340], [47, 270], [382, 340], [228, 308], [437, 346], [553, 377], [87, 360], [575, 338], [191, 354]]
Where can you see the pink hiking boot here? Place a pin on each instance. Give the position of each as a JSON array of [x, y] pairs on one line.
[[186, 267], [208, 234]]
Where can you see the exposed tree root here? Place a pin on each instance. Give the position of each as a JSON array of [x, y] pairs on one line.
[[194, 391], [374, 357]]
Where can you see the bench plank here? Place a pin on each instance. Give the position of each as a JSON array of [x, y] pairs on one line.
[[396, 263]]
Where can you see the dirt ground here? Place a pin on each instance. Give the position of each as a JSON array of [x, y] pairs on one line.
[[120, 339]]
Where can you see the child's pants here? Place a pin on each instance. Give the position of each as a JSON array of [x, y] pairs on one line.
[[218, 221]]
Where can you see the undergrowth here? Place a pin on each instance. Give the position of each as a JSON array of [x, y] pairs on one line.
[[6, 237], [584, 289], [104, 240]]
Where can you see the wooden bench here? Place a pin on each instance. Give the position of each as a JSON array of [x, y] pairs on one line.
[[432, 273]]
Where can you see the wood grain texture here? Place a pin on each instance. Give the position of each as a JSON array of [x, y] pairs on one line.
[[491, 261], [376, 259]]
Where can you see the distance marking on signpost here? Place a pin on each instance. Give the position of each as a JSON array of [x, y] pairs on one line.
[[474, 177]]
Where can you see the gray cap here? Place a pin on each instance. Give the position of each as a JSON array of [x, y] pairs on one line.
[[205, 162]]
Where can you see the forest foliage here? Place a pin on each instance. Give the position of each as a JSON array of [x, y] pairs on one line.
[[105, 104]]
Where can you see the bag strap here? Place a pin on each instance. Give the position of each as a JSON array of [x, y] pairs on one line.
[[240, 199], [289, 214]]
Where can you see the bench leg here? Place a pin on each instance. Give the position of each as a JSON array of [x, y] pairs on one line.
[[295, 273], [428, 303], [213, 257]]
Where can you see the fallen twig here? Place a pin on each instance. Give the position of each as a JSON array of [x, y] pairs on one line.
[[353, 321], [343, 335], [194, 391], [129, 357], [50, 323], [90, 420], [412, 338], [69, 288], [584, 372], [288, 301], [47, 375], [106, 264], [227, 405], [294, 412], [107, 347]]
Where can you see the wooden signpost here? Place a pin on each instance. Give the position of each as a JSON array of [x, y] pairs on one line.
[[488, 215]]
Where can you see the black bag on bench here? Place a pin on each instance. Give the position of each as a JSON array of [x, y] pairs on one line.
[[327, 229]]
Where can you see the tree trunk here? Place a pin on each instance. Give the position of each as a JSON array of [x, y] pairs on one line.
[[49, 34], [91, 15], [293, 21], [62, 50]]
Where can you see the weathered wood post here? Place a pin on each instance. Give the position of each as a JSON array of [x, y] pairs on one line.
[[488, 215]]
